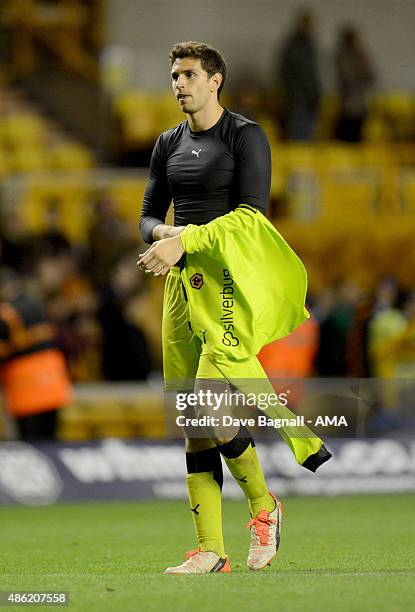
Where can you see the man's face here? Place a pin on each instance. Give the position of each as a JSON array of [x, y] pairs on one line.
[[191, 84]]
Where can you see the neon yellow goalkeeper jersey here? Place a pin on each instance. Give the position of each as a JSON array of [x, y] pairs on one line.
[[245, 286]]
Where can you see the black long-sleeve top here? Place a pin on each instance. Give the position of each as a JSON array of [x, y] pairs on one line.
[[207, 174]]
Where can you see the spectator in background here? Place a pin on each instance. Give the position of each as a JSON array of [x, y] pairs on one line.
[[72, 305], [357, 349], [247, 99], [354, 75], [15, 242], [34, 378], [300, 81], [52, 241], [386, 328], [126, 353], [392, 355], [361, 362], [405, 344], [386, 294], [336, 316], [292, 358], [110, 236]]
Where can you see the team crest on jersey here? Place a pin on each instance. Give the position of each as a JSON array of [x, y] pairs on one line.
[[196, 281]]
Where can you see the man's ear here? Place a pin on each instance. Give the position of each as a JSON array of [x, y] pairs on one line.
[[216, 81]]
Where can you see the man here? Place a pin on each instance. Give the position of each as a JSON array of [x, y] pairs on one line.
[[33, 374], [355, 75], [300, 80], [212, 165]]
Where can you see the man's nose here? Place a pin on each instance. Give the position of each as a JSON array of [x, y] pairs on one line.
[[180, 81]]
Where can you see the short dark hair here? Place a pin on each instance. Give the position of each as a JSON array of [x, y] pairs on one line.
[[210, 59]]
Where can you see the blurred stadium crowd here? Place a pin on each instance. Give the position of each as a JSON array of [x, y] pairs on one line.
[[295, 106], [343, 194], [93, 293], [107, 313]]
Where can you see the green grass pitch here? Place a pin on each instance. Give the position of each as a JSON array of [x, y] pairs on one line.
[[352, 553]]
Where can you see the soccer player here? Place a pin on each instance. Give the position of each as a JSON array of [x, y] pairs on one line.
[[208, 165]]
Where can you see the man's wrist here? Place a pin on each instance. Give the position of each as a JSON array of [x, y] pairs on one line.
[[162, 231], [159, 232]]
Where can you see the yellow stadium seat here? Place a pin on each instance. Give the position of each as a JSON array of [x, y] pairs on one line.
[[342, 155], [407, 191], [351, 193], [138, 117], [73, 424], [301, 157], [24, 129], [71, 156], [295, 176], [128, 194], [71, 198], [29, 159], [4, 164], [169, 112]]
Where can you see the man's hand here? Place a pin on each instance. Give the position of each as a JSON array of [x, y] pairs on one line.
[[161, 256]]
